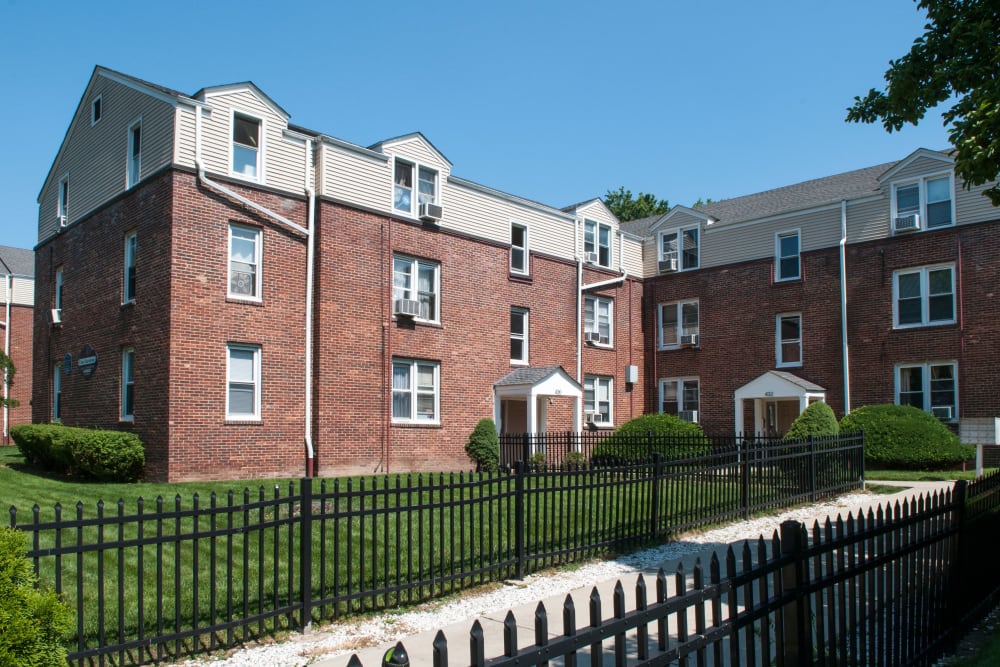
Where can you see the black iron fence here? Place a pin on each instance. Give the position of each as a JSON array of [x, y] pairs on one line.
[[187, 577], [899, 585]]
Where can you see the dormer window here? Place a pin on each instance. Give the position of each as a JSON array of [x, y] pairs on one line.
[[96, 109], [679, 249], [402, 192], [597, 243], [246, 146], [923, 204]]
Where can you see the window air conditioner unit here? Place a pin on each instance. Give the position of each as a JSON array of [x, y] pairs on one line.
[[590, 417], [590, 257], [406, 307], [57, 316], [430, 212], [668, 265], [906, 223], [592, 337], [942, 412], [689, 340], [688, 415]]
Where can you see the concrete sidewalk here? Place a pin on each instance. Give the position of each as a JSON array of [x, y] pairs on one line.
[[420, 646]]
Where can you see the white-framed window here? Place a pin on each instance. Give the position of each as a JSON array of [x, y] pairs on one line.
[[128, 385], [518, 336], [598, 398], [57, 298], [128, 275], [597, 242], [682, 245], [134, 161], [519, 249], [244, 262], [243, 382], [787, 263], [788, 338], [677, 321], [57, 372], [415, 391], [929, 386], [929, 197], [62, 205], [96, 110], [924, 296], [680, 395], [407, 175], [598, 320], [417, 280], [246, 149]]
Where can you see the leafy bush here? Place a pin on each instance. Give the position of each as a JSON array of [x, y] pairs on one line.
[[905, 437], [483, 446], [816, 419], [32, 621], [574, 461], [105, 456], [645, 435], [536, 462]]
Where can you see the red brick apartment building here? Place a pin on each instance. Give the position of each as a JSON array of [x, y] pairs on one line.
[[255, 298], [17, 270]]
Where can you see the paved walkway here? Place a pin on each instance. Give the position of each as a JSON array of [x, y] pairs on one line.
[[420, 646]]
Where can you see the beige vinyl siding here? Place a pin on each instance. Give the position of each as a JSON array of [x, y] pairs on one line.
[[632, 257], [480, 215], [921, 166], [23, 293], [96, 157], [756, 240], [282, 162], [353, 178], [868, 220], [186, 127], [650, 256], [971, 206], [417, 150], [599, 213]]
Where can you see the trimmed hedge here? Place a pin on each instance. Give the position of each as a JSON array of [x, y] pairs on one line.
[[816, 419], [645, 435], [905, 437], [32, 621], [483, 446], [104, 456]]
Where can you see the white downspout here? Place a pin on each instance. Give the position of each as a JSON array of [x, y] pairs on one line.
[[310, 246], [579, 319], [843, 306], [9, 286]]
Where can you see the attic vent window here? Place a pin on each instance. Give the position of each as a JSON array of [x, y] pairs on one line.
[[96, 107]]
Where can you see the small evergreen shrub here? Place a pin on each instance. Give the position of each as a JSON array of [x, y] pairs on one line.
[[483, 446], [33, 622], [574, 461], [536, 462], [816, 419], [640, 438], [905, 437], [104, 456]]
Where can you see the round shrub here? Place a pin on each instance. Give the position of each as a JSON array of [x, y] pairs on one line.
[[32, 621], [106, 456], [574, 461], [816, 419], [483, 446], [905, 437], [640, 438]]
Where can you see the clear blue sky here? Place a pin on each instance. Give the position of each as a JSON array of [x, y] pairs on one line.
[[554, 101]]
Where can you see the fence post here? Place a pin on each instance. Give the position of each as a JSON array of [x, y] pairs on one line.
[[812, 469], [526, 447], [743, 455], [958, 560], [654, 514], [521, 469], [796, 645], [305, 550]]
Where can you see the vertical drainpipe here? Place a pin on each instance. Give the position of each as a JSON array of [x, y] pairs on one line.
[[843, 307], [9, 286], [579, 317], [310, 255]]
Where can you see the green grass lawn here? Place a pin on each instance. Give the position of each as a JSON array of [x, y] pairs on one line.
[[923, 475]]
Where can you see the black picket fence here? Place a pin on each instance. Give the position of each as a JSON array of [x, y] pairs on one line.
[[188, 577], [899, 585]]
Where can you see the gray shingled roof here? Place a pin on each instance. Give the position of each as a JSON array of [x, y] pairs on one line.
[[530, 375], [849, 185], [19, 261], [798, 382]]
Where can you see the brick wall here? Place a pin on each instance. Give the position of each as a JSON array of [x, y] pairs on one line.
[[20, 354]]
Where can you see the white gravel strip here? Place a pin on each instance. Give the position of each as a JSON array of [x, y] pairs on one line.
[[342, 637]]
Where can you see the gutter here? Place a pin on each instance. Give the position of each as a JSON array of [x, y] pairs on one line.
[[310, 245], [844, 351]]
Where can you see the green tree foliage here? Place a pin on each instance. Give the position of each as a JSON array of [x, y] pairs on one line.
[[33, 622], [626, 208], [957, 58], [702, 202], [905, 437], [645, 435], [7, 372], [816, 419], [483, 446]]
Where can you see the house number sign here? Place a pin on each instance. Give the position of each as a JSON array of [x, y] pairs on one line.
[[87, 361]]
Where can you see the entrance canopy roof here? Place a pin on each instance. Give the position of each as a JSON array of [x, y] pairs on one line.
[[537, 381], [779, 384]]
